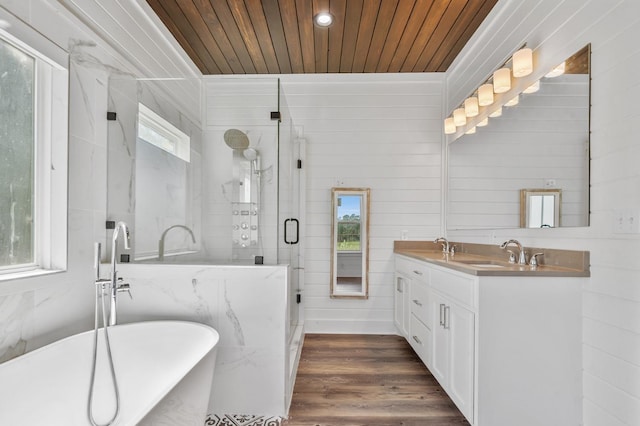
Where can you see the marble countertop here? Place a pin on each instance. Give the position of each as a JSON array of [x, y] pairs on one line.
[[488, 264]]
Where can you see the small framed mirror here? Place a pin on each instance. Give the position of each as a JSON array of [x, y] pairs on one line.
[[540, 208], [350, 243]]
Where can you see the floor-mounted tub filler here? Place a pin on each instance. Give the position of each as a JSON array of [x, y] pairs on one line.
[[164, 372]]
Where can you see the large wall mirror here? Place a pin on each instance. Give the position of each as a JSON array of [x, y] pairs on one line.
[[542, 142], [350, 243]]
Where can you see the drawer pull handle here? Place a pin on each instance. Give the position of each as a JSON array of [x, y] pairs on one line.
[[418, 341], [417, 302], [442, 314], [399, 286], [417, 272], [447, 315]]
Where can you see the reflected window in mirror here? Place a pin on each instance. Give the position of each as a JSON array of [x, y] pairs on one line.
[[349, 242], [540, 208]]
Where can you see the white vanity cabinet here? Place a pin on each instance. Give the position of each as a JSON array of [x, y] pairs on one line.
[[401, 311], [453, 346], [413, 307], [506, 349]]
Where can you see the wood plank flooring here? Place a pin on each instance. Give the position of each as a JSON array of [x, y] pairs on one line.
[[366, 380]]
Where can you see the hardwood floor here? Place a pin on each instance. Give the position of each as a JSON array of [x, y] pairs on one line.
[[366, 380]]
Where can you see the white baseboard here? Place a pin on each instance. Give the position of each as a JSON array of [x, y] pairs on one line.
[[349, 327]]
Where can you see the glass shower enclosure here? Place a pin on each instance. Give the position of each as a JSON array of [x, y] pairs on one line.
[[214, 175]]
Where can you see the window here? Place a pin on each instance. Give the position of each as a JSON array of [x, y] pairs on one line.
[[33, 154], [349, 210], [17, 156], [159, 132]]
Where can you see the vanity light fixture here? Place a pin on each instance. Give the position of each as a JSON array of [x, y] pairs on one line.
[[533, 88], [459, 117], [323, 19], [514, 101], [557, 71], [449, 126], [496, 113], [471, 108], [498, 83], [485, 94], [502, 80], [522, 62]]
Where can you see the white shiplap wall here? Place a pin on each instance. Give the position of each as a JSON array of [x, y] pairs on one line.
[[611, 299], [377, 131]]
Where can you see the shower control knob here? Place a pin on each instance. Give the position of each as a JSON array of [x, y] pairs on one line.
[[244, 225]]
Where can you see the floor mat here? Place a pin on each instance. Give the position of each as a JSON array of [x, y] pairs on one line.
[[241, 420]]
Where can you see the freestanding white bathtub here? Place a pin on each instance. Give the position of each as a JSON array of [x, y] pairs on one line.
[[164, 371]]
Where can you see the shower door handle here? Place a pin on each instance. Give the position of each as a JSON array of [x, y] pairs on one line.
[[297, 231]]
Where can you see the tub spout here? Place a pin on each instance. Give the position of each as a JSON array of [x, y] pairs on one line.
[[164, 234]]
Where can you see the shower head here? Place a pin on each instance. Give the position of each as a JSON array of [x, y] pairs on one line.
[[250, 154], [236, 139]]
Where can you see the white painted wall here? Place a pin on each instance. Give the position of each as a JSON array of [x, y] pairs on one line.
[[375, 131], [611, 299]]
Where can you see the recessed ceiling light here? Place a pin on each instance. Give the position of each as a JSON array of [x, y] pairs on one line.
[[323, 19]]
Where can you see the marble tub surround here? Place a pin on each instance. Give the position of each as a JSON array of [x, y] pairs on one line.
[[247, 305], [553, 263]]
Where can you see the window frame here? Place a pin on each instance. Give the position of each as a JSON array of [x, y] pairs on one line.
[[180, 141], [51, 121]]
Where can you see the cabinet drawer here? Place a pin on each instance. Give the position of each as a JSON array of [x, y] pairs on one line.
[[419, 302], [460, 288], [420, 340], [412, 268]]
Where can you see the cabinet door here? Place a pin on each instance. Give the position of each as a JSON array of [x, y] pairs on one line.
[[461, 326], [401, 310], [440, 355]]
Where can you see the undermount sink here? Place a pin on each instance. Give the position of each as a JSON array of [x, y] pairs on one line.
[[482, 263]]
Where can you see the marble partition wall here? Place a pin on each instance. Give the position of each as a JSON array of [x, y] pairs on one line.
[[247, 305]]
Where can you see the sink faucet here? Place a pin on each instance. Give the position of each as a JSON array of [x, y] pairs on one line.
[[445, 244], [164, 234], [115, 287], [522, 257]]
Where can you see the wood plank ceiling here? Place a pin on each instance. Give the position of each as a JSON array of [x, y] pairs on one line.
[[279, 37]]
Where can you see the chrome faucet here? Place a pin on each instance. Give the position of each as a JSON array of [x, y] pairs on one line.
[[164, 234], [522, 257], [115, 287], [445, 244]]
